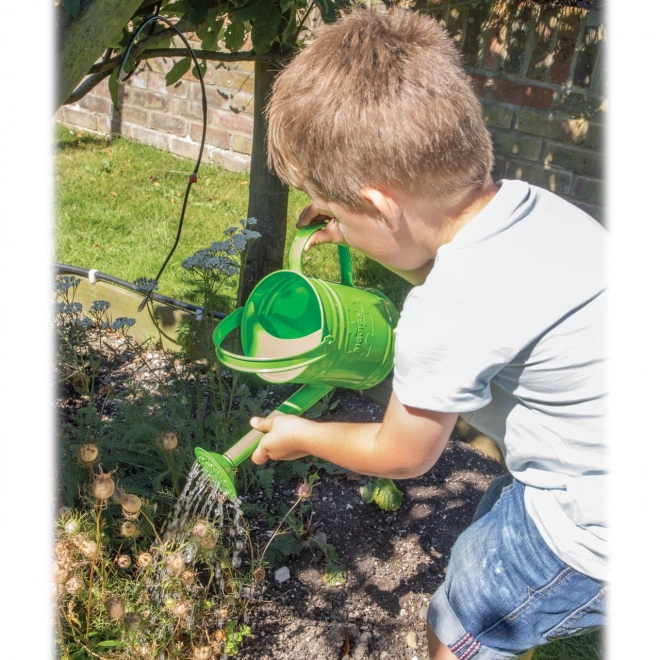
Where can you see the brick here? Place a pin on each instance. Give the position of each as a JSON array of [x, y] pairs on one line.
[[157, 84], [543, 124], [495, 37], [594, 136], [517, 38], [541, 56], [230, 160], [152, 138], [587, 58], [119, 127], [214, 137], [149, 100], [243, 102], [574, 159], [105, 125], [582, 104], [187, 109], [474, 28], [246, 66], [59, 114], [95, 103], [80, 118], [516, 145], [556, 181], [215, 98], [160, 64], [241, 144], [187, 148], [139, 79], [167, 123], [234, 79], [232, 121], [499, 167], [479, 84], [589, 190], [518, 94], [102, 89], [570, 20], [497, 115], [134, 115]]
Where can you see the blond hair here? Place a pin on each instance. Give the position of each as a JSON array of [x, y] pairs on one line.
[[378, 100]]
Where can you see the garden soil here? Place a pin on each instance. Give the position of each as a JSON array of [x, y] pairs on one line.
[[395, 560]]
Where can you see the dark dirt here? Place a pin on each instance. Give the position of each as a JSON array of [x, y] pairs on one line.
[[395, 560]]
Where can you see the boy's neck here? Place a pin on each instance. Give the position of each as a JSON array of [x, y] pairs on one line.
[[445, 222]]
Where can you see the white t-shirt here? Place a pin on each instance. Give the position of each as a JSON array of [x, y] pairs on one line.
[[509, 331]]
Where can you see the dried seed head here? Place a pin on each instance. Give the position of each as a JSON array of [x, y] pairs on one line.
[[103, 486], [188, 578], [123, 561], [170, 441], [131, 621], [259, 574], [175, 563], [88, 453], [208, 542], [115, 608], [144, 560], [220, 635], [128, 529], [88, 548], [72, 526], [131, 503], [75, 585], [201, 529], [180, 608], [64, 512], [202, 653], [60, 574]]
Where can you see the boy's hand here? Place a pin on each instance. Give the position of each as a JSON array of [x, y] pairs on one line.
[[284, 434], [331, 233]]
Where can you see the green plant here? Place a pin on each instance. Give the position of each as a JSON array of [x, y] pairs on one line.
[[382, 492]]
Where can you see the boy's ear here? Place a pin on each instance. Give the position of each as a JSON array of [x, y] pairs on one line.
[[385, 204]]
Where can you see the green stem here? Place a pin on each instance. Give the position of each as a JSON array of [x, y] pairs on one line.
[[270, 540], [174, 479]]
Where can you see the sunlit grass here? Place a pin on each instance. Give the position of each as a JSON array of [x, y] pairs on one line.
[[118, 205]]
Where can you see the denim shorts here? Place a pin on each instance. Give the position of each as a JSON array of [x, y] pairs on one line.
[[505, 591]]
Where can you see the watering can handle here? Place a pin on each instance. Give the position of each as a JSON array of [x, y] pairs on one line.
[[262, 365], [298, 246]]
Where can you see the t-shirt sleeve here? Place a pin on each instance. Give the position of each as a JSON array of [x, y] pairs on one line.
[[445, 355]]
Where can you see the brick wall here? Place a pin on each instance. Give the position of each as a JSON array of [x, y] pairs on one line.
[[538, 71]]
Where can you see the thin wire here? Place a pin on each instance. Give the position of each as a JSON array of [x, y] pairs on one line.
[[192, 178]]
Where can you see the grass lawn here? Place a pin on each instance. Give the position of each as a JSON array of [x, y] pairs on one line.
[[118, 207]]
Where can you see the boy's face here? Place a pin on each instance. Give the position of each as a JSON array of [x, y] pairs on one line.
[[369, 233]]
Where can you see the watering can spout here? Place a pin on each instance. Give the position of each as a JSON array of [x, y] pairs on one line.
[[220, 467]]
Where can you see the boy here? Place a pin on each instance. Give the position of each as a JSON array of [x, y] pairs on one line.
[[377, 122]]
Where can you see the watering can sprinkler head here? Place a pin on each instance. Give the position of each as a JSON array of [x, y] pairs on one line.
[[298, 329]]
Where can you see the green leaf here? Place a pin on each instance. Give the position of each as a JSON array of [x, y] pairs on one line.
[[72, 6], [109, 643], [202, 66], [329, 12], [384, 493], [199, 10], [113, 86], [250, 10], [266, 28], [290, 28], [178, 71], [234, 36], [212, 35], [179, 8]]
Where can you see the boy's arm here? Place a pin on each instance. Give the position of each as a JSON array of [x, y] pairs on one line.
[[406, 444]]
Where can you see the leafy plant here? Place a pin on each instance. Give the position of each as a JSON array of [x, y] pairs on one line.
[[382, 492]]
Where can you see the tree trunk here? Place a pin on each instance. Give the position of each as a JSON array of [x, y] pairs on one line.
[[268, 198], [82, 40]]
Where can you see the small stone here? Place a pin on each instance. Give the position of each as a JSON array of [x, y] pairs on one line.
[[282, 574], [422, 567], [411, 639], [321, 538], [423, 612], [384, 655], [349, 506], [403, 612]]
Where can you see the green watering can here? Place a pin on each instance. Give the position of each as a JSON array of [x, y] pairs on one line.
[[300, 329]]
